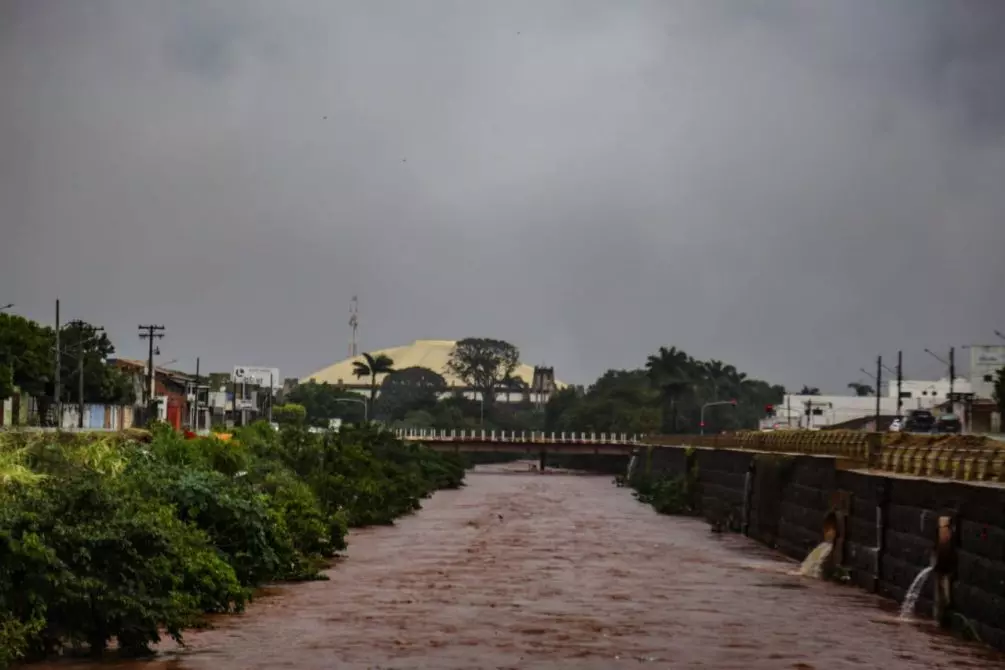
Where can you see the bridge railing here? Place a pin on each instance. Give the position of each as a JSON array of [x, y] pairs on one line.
[[514, 436]]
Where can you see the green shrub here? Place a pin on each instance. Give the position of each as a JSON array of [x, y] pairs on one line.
[[129, 537], [100, 561]]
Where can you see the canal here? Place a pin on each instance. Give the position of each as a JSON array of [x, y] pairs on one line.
[[527, 570]]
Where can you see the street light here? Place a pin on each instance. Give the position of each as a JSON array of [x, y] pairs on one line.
[[1000, 334], [701, 421], [938, 358], [366, 414], [7, 306]]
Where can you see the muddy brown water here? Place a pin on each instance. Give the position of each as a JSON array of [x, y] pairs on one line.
[[527, 570]]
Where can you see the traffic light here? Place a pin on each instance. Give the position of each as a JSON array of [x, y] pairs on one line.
[[769, 410]]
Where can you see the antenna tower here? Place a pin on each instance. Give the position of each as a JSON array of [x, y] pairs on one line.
[[354, 324]]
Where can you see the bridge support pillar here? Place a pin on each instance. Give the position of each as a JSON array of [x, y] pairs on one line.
[[542, 457]]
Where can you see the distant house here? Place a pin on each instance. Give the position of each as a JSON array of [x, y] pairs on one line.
[[172, 389]]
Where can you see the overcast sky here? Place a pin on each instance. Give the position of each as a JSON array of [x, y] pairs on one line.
[[791, 186]]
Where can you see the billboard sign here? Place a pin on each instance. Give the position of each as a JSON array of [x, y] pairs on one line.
[[257, 376]]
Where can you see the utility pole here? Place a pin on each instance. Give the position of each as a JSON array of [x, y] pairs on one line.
[[879, 382], [195, 401], [900, 382], [57, 386], [272, 385], [150, 332], [952, 374]]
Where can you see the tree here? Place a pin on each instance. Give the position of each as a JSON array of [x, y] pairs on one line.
[[672, 372], [326, 401], [371, 366], [621, 401], [290, 414], [102, 382], [26, 356], [809, 390], [410, 389], [483, 364], [861, 390]]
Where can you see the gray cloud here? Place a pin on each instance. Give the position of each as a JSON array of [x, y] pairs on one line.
[[790, 186]]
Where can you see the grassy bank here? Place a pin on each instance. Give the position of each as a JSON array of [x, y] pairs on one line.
[[124, 537]]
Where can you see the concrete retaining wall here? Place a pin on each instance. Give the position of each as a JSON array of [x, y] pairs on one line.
[[789, 496]]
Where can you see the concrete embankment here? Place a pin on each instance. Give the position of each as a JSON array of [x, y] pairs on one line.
[[888, 520]]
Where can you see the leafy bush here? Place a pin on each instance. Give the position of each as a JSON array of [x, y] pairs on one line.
[[672, 494], [131, 537]]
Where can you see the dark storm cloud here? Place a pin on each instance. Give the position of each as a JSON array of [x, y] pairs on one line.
[[793, 187]]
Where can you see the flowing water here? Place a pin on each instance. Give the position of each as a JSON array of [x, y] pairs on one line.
[[552, 571], [911, 599], [813, 565]]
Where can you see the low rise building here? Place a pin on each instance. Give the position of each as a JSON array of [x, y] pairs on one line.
[[824, 411]]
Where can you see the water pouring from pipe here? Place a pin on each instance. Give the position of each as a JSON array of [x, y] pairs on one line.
[[813, 564], [817, 563], [911, 599]]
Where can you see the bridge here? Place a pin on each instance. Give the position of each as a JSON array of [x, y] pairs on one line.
[[532, 443]]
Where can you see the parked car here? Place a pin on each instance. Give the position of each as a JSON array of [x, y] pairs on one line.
[[919, 421], [948, 423]]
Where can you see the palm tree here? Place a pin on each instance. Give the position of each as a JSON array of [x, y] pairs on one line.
[[809, 390], [371, 366], [672, 371]]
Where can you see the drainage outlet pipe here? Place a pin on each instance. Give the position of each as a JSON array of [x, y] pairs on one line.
[[944, 567], [834, 532]]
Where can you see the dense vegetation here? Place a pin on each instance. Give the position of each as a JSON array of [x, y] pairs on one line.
[[127, 537], [27, 362], [665, 395]]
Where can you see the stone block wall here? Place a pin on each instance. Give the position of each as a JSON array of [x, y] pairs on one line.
[[790, 496]]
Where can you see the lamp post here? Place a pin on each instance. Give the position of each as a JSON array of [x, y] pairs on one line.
[[7, 306], [1000, 334], [712, 404], [366, 414]]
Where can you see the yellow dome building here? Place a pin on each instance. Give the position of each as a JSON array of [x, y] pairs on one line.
[[431, 354]]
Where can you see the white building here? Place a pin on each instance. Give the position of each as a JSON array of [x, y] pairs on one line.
[[985, 361], [821, 411]]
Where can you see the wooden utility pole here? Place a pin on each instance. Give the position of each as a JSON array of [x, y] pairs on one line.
[[900, 383], [952, 375], [879, 382], [150, 332], [58, 386]]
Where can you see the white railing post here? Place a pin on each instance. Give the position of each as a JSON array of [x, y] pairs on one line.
[[483, 434]]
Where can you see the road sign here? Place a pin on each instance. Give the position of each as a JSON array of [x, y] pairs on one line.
[[257, 376]]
